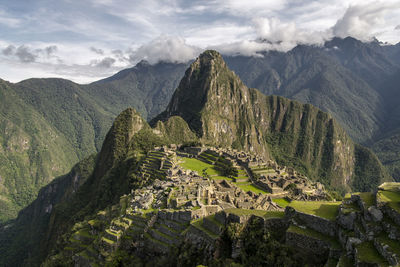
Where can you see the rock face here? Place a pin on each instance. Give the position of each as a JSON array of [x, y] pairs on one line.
[[222, 111]]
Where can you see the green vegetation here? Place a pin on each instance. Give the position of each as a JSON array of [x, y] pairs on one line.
[[251, 187], [367, 197], [199, 224], [324, 209], [281, 202], [367, 252], [198, 166], [211, 171]]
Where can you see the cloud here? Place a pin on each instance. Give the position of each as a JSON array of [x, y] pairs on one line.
[[360, 21], [165, 49], [397, 27], [97, 50], [9, 50], [25, 55], [272, 34], [50, 50], [105, 62]]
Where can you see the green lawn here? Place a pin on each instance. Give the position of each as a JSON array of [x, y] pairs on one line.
[[314, 234], [251, 187], [388, 196], [281, 202], [198, 165], [368, 253], [323, 209]]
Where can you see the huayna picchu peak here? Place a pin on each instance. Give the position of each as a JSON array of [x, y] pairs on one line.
[[222, 111], [225, 176]]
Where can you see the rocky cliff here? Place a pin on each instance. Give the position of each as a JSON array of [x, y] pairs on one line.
[[222, 111]]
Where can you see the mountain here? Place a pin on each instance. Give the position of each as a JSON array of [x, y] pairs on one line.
[[211, 106], [32, 152], [354, 81], [47, 125], [222, 111], [145, 87]]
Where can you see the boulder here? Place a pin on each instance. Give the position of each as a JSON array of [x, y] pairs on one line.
[[376, 214], [347, 220]]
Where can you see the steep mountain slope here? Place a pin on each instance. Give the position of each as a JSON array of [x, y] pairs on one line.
[[32, 152], [353, 81], [93, 184], [145, 87], [314, 75], [70, 109], [76, 116], [224, 112]]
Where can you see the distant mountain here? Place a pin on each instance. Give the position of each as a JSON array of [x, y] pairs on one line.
[[146, 87], [355, 82], [210, 106]]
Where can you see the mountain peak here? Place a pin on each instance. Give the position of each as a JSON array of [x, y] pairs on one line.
[[207, 79]]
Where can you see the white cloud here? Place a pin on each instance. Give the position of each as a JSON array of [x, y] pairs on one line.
[[165, 49], [363, 20], [91, 38]]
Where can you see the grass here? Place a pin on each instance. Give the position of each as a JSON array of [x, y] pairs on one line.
[[390, 186], [281, 202], [250, 187], [323, 209], [212, 219], [199, 225], [368, 198], [388, 196], [261, 213], [198, 166], [393, 244], [368, 253], [314, 234], [345, 261]]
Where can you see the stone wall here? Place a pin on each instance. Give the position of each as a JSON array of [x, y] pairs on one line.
[[308, 244], [394, 215], [211, 226], [386, 252], [221, 217], [316, 223]]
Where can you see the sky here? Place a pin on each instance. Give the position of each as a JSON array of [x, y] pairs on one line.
[[87, 40]]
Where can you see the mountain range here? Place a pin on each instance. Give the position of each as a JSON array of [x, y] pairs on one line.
[[213, 107], [355, 82]]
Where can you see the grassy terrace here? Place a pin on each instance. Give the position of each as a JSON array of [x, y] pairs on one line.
[[314, 234], [199, 225], [198, 165], [323, 209], [368, 198], [394, 187], [261, 213], [368, 253]]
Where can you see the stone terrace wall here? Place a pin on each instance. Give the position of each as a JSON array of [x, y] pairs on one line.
[[308, 244], [316, 223]]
